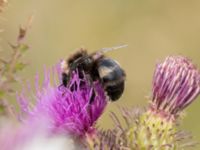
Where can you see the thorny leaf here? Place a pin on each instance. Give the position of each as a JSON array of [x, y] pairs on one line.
[[2, 93], [3, 78], [19, 66], [22, 33], [23, 48], [13, 63], [23, 30], [1, 109]]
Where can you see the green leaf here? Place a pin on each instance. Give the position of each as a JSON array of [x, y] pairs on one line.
[[19, 66], [1, 109], [7, 67], [3, 79], [2, 93], [23, 48]]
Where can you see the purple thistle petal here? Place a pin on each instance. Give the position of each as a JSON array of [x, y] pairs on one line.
[[176, 83], [68, 109]]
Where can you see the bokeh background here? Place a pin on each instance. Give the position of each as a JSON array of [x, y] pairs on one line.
[[152, 29]]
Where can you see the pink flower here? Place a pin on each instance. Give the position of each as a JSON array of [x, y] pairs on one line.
[[68, 109]]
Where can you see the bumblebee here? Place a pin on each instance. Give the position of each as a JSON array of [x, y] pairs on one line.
[[98, 67]]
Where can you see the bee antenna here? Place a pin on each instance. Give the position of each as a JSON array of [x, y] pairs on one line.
[[105, 50], [100, 52]]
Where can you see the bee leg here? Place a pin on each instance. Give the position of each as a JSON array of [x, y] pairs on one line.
[[65, 80], [74, 87], [92, 97], [93, 93]]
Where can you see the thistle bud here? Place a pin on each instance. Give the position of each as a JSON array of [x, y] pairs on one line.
[[176, 83]]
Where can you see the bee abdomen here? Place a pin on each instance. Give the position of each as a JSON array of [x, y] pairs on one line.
[[112, 77], [115, 91]]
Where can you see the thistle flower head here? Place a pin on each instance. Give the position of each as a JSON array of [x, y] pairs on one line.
[[68, 109], [176, 83]]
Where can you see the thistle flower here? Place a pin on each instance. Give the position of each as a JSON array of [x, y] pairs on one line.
[[68, 109], [176, 83]]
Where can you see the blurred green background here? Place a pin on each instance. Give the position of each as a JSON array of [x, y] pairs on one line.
[[152, 29]]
